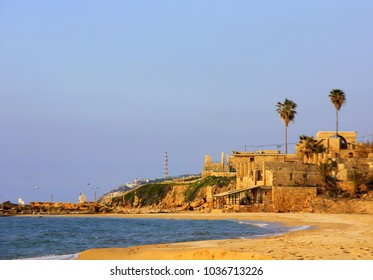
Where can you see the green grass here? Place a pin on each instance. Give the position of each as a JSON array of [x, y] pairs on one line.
[[193, 188], [129, 197], [152, 194]]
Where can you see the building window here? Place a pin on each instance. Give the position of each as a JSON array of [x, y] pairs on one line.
[[291, 176], [259, 178]]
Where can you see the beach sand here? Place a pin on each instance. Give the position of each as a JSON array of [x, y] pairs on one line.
[[332, 237]]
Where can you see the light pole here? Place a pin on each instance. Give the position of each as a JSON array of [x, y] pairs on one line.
[[95, 192]]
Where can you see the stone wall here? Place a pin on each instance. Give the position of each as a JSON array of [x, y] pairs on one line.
[[251, 168], [292, 174], [266, 196], [207, 173], [350, 136], [292, 199], [222, 168], [347, 186], [349, 167], [334, 145]]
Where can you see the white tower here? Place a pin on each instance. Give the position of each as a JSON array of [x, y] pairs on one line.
[[165, 167]]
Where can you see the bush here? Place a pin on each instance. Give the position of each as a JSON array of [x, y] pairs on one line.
[[152, 194], [193, 189]]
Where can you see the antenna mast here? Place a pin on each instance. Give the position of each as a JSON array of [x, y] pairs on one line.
[[165, 167]]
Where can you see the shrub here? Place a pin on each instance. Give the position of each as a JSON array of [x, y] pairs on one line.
[[152, 194], [193, 189]]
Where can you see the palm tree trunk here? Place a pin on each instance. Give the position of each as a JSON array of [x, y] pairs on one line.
[[286, 139], [336, 126]]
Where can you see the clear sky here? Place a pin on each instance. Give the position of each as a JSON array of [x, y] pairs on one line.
[[94, 92]]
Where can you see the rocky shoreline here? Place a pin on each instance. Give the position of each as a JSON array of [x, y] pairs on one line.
[[49, 208], [65, 208], [362, 205]]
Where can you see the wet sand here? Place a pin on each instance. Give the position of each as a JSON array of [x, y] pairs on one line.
[[332, 237]]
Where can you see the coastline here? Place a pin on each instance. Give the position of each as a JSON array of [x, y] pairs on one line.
[[331, 237]]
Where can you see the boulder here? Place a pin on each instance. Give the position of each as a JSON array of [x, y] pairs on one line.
[[197, 203]]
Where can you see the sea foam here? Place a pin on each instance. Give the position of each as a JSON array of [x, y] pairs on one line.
[[54, 257]]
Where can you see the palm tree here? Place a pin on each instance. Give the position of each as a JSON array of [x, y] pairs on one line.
[[287, 112], [338, 98], [325, 169], [308, 146]]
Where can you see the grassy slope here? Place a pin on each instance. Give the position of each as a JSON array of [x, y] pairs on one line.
[[152, 194]]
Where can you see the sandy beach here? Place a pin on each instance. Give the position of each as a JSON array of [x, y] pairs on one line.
[[332, 237]]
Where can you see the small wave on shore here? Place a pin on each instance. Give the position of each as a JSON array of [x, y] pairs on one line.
[[271, 229], [254, 224], [54, 257]]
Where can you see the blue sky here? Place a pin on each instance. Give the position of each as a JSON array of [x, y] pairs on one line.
[[96, 91]]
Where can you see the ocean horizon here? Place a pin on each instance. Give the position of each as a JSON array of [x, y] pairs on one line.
[[63, 238]]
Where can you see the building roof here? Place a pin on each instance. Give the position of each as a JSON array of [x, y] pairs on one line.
[[241, 190]]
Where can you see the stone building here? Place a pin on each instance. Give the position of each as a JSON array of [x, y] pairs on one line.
[[250, 167], [341, 145], [285, 182], [354, 160], [261, 177], [222, 168]]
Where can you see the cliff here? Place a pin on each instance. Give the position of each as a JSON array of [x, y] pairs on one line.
[[171, 196]]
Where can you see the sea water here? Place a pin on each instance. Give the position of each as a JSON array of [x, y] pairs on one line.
[[54, 237]]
